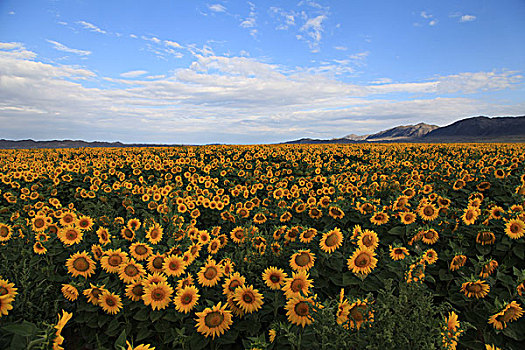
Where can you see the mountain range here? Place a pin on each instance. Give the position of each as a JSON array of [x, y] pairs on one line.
[[475, 129]]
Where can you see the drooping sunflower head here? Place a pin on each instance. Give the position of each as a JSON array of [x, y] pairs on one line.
[[307, 235], [430, 236], [475, 289], [93, 293], [485, 238], [379, 218], [398, 253]]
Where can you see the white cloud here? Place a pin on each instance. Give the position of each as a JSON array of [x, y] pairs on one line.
[[286, 19], [61, 47], [313, 29], [250, 21], [467, 18], [432, 22], [91, 27], [341, 48], [11, 13], [173, 44], [426, 15], [133, 73], [217, 8], [226, 99]]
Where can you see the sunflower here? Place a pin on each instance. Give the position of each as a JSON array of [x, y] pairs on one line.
[[38, 223], [70, 235], [140, 251], [238, 235], [80, 264], [139, 347], [69, 292], [231, 283], [274, 277], [358, 313], [485, 237], [227, 266], [186, 299], [110, 302], [398, 253], [363, 261], [428, 212], [511, 312], [210, 274], [297, 284], [135, 291], [368, 239], [133, 224], [491, 347], [496, 212], [103, 235], [430, 236], [515, 228], [470, 215], [259, 218], [5, 232], [302, 260], [127, 234], [379, 218], [272, 333], [336, 212], [213, 321], [331, 240], [68, 218], [112, 259], [154, 234], [93, 293], [158, 295], [292, 233], [39, 248], [5, 304], [457, 262], [248, 298], [407, 217], [477, 289], [214, 246], [85, 223], [430, 256], [155, 277], [7, 288], [307, 235], [130, 271], [315, 213], [299, 312], [155, 262], [488, 268]]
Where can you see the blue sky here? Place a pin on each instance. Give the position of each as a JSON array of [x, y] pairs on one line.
[[253, 71]]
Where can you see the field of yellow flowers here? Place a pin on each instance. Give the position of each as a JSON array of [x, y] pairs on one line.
[[263, 247]]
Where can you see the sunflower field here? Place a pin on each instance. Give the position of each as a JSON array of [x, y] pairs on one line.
[[398, 246]]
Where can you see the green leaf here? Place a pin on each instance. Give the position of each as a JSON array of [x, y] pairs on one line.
[[121, 340], [25, 329], [113, 327], [155, 315], [519, 251], [143, 334], [197, 342], [142, 315]]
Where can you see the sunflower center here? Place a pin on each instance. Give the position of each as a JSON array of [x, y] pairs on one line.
[[239, 234], [83, 223], [214, 246], [210, 273], [141, 250], [510, 314], [367, 241], [3, 291], [275, 278], [331, 240], [96, 292], [39, 223], [131, 270], [186, 299], [248, 297], [363, 260], [297, 285], [398, 251], [302, 259], [429, 234], [81, 264], [308, 234], [154, 234], [475, 288], [128, 233], [4, 231], [71, 234], [157, 263], [138, 290], [514, 228], [357, 313], [68, 219], [115, 260], [469, 215], [428, 211], [110, 302], [302, 309], [213, 319], [158, 294]]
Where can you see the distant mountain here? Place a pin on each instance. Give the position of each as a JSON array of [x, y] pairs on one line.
[[403, 132], [475, 129], [480, 129], [29, 144]]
